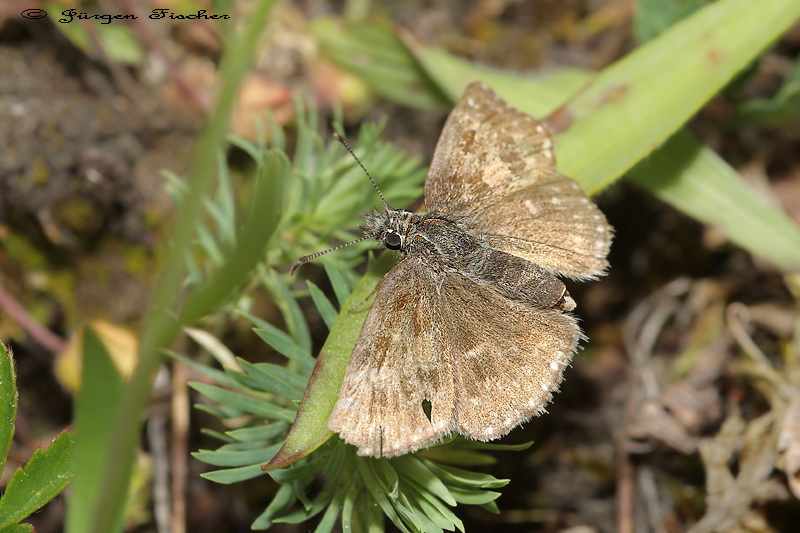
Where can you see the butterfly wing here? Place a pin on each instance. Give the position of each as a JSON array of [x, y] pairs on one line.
[[508, 358], [485, 363], [493, 171]]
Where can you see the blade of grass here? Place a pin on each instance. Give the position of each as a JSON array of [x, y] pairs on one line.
[[101, 514], [97, 408], [638, 102]]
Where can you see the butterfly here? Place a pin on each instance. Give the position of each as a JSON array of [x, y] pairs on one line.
[[470, 331]]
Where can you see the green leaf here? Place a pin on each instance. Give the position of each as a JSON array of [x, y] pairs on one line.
[[282, 501], [459, 477], [47, 473], [310, 429], [267, 377], [258, 407], [376, 490], [285, 345], [292, 314], [258, 433], [223, 412], [8, 401], [217, 376], [417, 471], [341, 285], [16, 528], [234, 475], [97, 407], [236, 459], [473, 497], [323, 304]]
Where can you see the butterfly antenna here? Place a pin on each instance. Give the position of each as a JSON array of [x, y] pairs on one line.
[[349, 149], [311, 257]]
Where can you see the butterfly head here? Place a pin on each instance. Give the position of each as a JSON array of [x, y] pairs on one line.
[[391, 227]]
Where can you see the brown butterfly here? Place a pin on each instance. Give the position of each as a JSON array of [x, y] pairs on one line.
[[472, 323]]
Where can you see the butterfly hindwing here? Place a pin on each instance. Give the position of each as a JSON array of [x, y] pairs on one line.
[[428, 338]]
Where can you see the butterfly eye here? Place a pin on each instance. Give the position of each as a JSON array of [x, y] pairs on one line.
[[392, 240]]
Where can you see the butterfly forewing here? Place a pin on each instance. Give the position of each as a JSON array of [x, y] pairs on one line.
[[493, 171]]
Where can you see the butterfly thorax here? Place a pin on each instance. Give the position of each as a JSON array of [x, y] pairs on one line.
[[446, 246]]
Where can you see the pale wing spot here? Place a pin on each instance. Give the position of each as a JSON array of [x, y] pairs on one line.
[[545, 387], [532, 403], [584, 200], [508, 421], [470, 102], [599, 244], [494, 173], [531, 207], [489, 431], [366, 451], [601, 229], [547, 144], [539, 128], [554, 365], [597, 217], [555, 200]]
